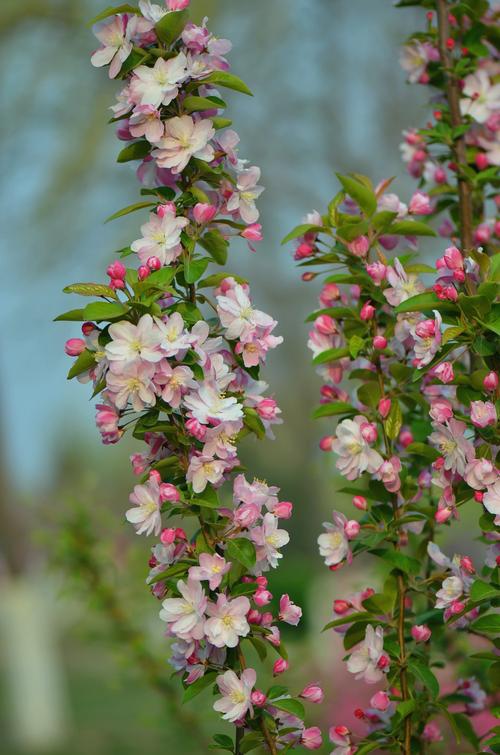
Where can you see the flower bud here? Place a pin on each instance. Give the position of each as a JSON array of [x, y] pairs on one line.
[[326, 442], [490, 382], [457, 607], [359, 247], [143, 272], [117, 283], [467, 565], [167, 535], [204, 213], [481, 160], [405, 437], [384, 662], [360, 502], [380, 700], [369, 432], [266, 620], [384, 407], [283, 510], [180, 534], [261, 581], [169, 493], [196, 429], [116, 270], [341, 607], [420, 632], [379, 342], [325, 325], [420, 204], [377, 272], [352, 528], [154, 263], [252, 232], [303, 250], [442, 515], [280, 666], [367, 311], [313, 693], [177, 4], [253, 616], [74, 346], [262, 598], [267, 409], [163, 209], [258, 698], [311, 738], [478, 496]]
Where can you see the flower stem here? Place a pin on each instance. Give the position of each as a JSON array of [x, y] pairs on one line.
[[458, 149]]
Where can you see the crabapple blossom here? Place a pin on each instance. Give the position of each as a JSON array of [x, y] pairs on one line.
[[483, 413], [160, 238], [242, 200], [334, 543], [236, 694], [186, 615], [134, 344], [491, 499], [131, 383], [183, 139], [145, 515], [211, 568], [368, 661], [268, 539], [203, 470], [355, 454], [480, 98], [289, 612], [115, 37], [227, 621], [449, 439], [158, 85]]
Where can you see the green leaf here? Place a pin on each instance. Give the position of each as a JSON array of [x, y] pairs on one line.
[[425, 675], [425, 302], [410, 228], [465, 728], [292, 706], [394, 420], [355, 634], [228, 80], [170, 26], [331, 355], [301, 230], [355, 345], [242, 550], [358, 617], [422, 449], [361, 194], [73, 315], [135, 151], [250, 742], [351, 231], [253, 422], [490, 623], [383, 219], [333, 409], [112, 11], [194, 268], [85, 361], [173, 571], [90, 289], [129, 209], [103, 310], [216, 245], [224, 742], [483, 591], [219, 123], [217, 278], [244, 588], [194, 104], [451, 334], [404, 563], [405, 708], [160, 278], [198, 686]]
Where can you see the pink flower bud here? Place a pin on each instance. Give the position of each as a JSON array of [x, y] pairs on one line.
[[384, 662], [163, 209], [307, 277], [117, 283], [180, 534], [258, 698], [478, 496], [143, 272], [289, 612], [379, 342], [377, 272], [262, 581], [380, 700], [359, 246], [266, 620], [367, 311], [441, 263], [311, 738], [420, 632], [267, 409], [169, 493], [116, 270], [360, 502], [369, 432], [154, 263], [453, 258], [246, 515], [420, 204], [167, 535], [313, 693], [481, 160], [204, 213], [459, 276], [326, 442], [74, 346], [442, 515], [196, 429], [457, 607], [490, 382], [444, 372], [280, 666], [283, 510], [482, 234], [329, 293], [252, 232], [303, 250], [253, 616], [384, 407], [352, 528], [341, 607], [155, 476], [262, 598], [88, 328], [467, 565], [405, 437], [325, 325], [483, 413]]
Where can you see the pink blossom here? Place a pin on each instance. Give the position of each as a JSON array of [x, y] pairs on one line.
[[341, 736], [173, 382], [420, 204], [236, 694], [480, 473], [131, 383], [368, 661], [384, 407], [177, 4], [107, 419], [146, 121], [359, 247], [420, 633], [450, 441], [367, 311], [252, 232], [174, 337], [114, 34], [184, 138], [145, 515], [360, 502], [453, 258], [207, 404], [238, 316], [483, 413], [74, 347], [443, 371], [133, 344], [355, 454], [211, 568], [480, 98], [160, 237], [283, 510], [227, 621], [186, 615], [427, 337], [203, 470], [334, 543], [203, 213], [247, 190], [490, 381], [380, 700], [491, 499], [377, 272], [269, 538], [258, 698], [289, 612], [388, 473], [402, 285], [432, 732], [441, 410]]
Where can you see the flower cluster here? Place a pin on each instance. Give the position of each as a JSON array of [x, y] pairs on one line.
[[175, 356], [408, 357]]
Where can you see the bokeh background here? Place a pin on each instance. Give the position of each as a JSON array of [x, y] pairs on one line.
[[82, 656]]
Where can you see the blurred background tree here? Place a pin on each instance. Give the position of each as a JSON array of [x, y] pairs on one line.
[[329, 95]]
